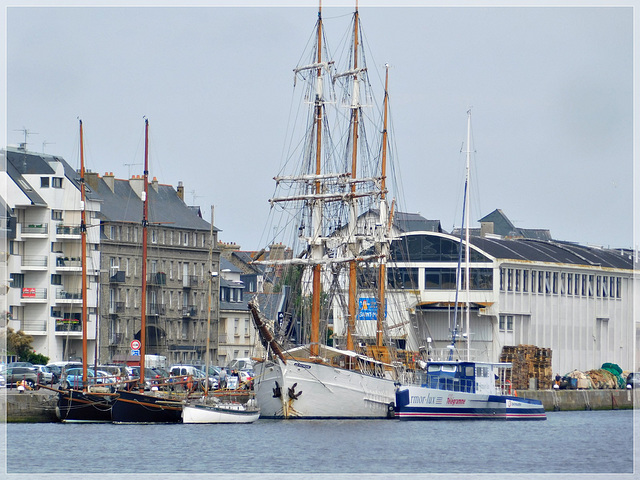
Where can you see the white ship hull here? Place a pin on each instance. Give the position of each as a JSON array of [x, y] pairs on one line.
[[303, 389]]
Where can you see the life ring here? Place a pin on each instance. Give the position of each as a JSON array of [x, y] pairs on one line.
[[508, 382]]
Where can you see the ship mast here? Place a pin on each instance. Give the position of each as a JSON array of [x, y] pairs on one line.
[[384, 220], [145, 223], [209, 264], [83, 257], [353, 214], [466, 221], [316, 243]]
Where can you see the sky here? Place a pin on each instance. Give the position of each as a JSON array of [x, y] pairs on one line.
[[550, 91]]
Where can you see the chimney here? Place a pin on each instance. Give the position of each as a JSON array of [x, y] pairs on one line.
[[486, 228], [181, 191], [137, 184], [154, 184], [276, 251], [91, 179], [109, 179]]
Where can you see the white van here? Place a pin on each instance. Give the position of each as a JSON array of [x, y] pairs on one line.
[[240, 364]]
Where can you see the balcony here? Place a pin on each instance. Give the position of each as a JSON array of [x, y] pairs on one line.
[[116, 338], [63, 296], [34, 262], [68, 325], [116, 307], [67, 231], [69, 264], [35, 230], [156, 309], [189, 281], [156, 279], [117, 277], [36, 295], [33, 326], [189, 311]]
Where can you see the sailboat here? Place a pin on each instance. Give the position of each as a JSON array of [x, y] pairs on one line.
[[316, 379], [207, 409], [456, 390], [140, 407], [91, 403]]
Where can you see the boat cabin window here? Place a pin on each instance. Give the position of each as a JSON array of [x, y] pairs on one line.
[[443, 368], [468, 372]]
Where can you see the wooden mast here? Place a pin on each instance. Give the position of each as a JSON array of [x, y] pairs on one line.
[[209, 265], [83, 258], [382, 272], [317, 212], [466, 223], [145, 223], [355, 107]]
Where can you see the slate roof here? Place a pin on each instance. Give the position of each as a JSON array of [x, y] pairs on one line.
[[554, 252], [22, 162], [165, 207], [410, 222]]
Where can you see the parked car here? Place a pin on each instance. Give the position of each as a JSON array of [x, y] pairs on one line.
[[633, 380], [55, 369], [118, 373], [20, 364], [73, 378], [13, 375], [47, 375], [3, 382]]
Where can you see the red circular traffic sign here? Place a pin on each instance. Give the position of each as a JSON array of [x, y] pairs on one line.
[[135, 344]]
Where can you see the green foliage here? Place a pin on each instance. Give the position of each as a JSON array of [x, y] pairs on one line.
[[37, 358]]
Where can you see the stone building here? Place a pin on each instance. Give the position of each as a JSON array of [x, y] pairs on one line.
[[177, 272]]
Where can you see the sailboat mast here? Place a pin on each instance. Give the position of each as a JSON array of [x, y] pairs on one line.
[[354, 164], [316, 246], [83, 262], [208, 355], [145, 223], [382, 272], [466, 222]]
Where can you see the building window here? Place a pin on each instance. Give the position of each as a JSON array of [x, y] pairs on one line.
[[56, 182], [56, 214], [236, 322], [186, 239], [525, 281], [591, 280], [618, 287], [510, 279], [154, 236], [506, 323], [17, 280], [44, 182], [569, 283], [555, 282], [518, 273], [56, 279]]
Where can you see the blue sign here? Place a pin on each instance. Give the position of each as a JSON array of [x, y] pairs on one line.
[[135, 353], [368, 309]]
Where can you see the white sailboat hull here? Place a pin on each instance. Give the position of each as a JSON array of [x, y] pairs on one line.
[[199, 413], [302, 389]]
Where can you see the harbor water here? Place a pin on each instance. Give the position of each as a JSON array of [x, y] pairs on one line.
[[582, 442]]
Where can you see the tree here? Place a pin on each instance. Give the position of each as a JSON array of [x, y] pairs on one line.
[[19, 344]]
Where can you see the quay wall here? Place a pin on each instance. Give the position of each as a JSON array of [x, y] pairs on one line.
[[564, 400], [29, 407], [40, 406]]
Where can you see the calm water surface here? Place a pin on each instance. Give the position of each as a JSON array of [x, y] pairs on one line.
[[598, 442]]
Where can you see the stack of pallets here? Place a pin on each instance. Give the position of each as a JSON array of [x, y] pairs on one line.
[[528, 361]]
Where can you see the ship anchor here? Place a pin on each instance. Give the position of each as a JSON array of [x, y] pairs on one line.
[[277, 393], [292, 392]]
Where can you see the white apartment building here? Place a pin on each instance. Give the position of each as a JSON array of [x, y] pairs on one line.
[[44, 299]]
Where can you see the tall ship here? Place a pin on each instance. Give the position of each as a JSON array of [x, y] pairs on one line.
[[327, 353]]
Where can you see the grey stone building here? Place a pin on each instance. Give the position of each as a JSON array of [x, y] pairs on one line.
[[177, 272]]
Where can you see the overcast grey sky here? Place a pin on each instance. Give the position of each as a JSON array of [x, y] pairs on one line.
[[551, 90]]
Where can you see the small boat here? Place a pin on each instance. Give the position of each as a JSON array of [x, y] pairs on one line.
[[215, 409], [204, 411], [465, 390], [90, 403]]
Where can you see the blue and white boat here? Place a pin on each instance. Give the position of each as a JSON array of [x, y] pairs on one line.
[[465, 390]]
